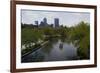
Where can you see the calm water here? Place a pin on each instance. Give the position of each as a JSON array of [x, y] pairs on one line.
[[54, 50]]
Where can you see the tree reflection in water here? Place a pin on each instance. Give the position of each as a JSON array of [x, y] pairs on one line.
[[57, 49]]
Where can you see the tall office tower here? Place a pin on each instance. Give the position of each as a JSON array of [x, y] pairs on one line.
[[45, 21], [56, 22], [36, 22]]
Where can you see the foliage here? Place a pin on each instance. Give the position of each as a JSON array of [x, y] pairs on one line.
[[79, 34], [29, 35], [48, 31]]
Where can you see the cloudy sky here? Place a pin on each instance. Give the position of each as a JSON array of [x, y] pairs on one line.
[[66, 18]]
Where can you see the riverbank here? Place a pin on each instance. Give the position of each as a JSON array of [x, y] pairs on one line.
[[36, 47]]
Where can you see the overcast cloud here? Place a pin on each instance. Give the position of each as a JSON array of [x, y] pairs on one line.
[[65, 18]]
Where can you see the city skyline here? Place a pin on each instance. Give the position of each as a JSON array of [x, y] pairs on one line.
[[65, 18], [44, 23]]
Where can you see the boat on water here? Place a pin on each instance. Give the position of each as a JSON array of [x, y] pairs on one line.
[[61, 45]]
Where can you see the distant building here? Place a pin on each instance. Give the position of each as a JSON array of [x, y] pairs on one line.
[[41, 24], [56, 22], [52, 25], [45, 21], [36, 22]]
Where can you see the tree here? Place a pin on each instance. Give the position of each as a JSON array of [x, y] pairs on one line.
[[81, 34]]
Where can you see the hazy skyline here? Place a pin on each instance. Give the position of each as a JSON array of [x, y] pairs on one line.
[[66, 18]]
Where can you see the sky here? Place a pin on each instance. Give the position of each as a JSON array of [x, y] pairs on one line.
[[65, 18]]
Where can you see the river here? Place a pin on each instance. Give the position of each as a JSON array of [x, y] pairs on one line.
[[54, 50]]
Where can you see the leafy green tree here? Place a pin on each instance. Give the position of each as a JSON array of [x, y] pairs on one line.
[[30, 35], [48, 31], [81, 34]]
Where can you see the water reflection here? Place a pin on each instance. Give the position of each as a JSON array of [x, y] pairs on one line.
[[60, 44], [47, 48], [55, 50]]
